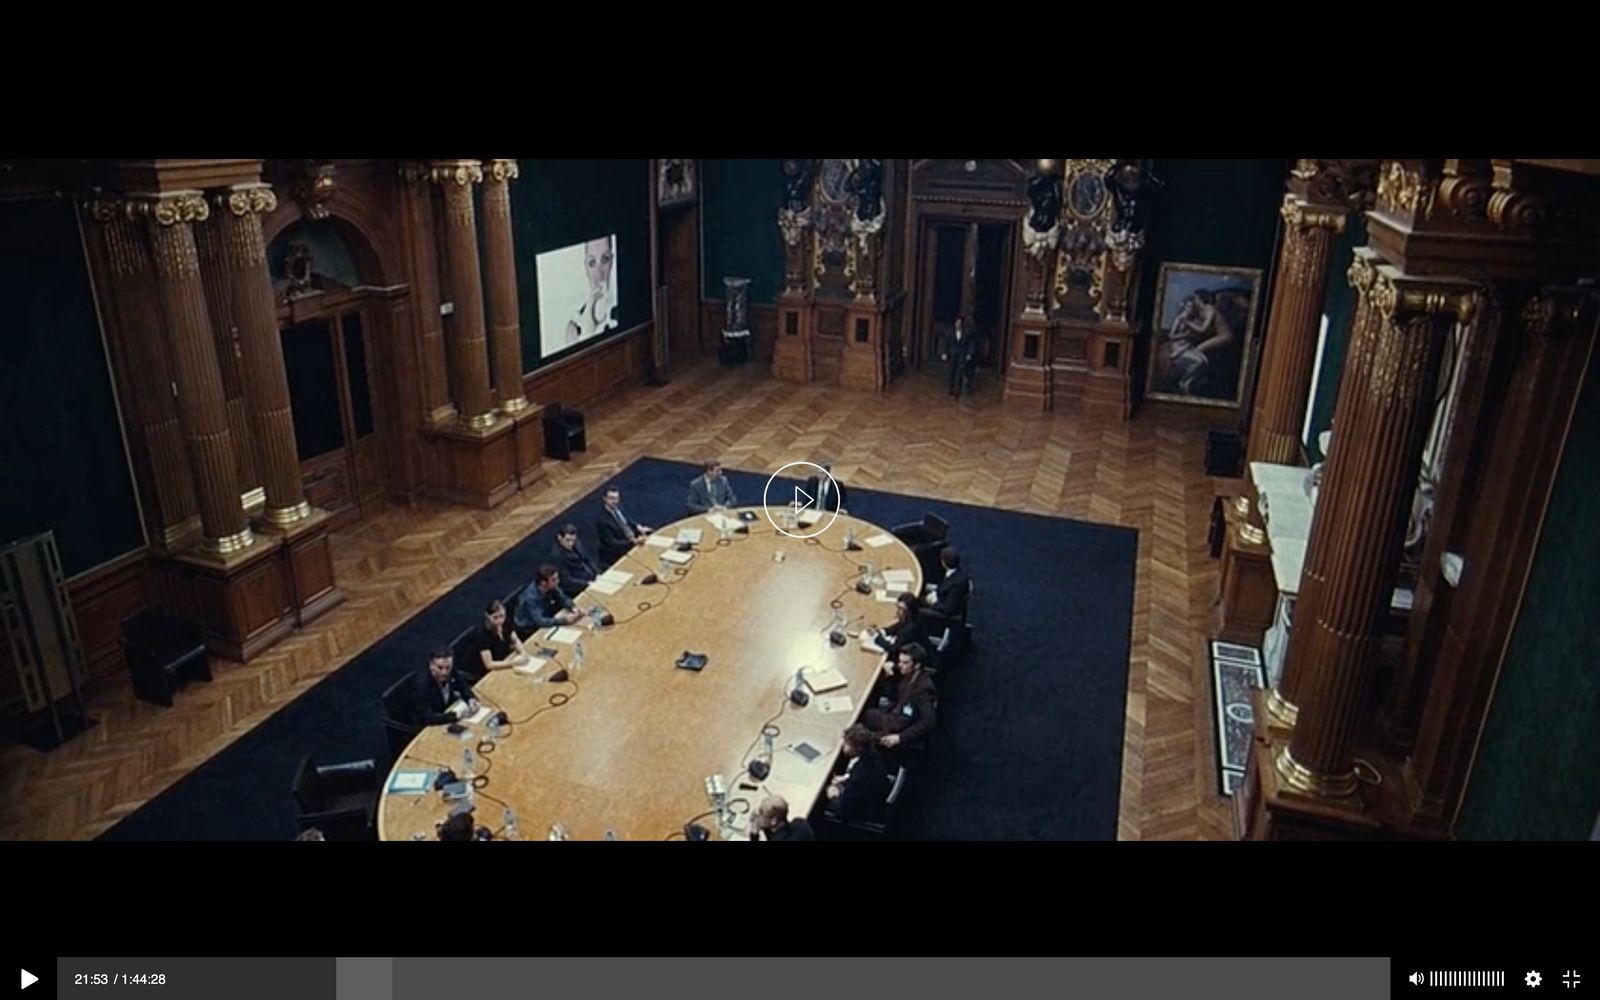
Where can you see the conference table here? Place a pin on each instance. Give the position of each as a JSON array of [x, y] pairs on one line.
[[624, 747]]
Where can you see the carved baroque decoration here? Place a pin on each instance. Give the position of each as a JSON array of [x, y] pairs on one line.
[[315, 186], [1352, 183]]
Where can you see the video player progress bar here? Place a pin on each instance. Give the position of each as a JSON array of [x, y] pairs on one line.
[[1466, 978]]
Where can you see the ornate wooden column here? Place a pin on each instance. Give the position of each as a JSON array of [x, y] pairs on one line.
[[202, 406], [216, 277], [1354, 552], [469, 350], [241, 254], [505, 330], [417, 203], [171, 510]]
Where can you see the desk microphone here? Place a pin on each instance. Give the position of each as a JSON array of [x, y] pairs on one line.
[[797, 693], [559, 677], [863, 587], [648, 578], [445, 777]]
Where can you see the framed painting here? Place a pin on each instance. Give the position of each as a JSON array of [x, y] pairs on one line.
[[675, 183], [1204, 320]]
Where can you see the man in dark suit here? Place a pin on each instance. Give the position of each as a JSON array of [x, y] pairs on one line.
[[772, 819], [861, 780], [962, 354], [438, 688], [710, 490], [577, 569], [952, 589], [618, 532], [829, 493], [907, 715]]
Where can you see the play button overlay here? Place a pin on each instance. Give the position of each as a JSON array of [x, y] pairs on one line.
[[798, 517], [28, 979]]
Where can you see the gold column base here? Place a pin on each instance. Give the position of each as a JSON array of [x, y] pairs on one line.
[[230, 543], [253, 500], [1302, 779], [515, 405], [1280, 713], [1241, 503], [481, 421], [284, 516], [1251, 535]]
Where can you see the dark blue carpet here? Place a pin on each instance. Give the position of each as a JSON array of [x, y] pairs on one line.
[[1030, 731]]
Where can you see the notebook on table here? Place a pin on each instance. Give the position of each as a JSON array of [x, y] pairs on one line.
[[823, 679]]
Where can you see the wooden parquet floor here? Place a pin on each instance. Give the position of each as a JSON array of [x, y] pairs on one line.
[[1146, 474]]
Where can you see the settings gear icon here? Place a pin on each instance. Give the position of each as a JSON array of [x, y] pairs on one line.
[[1532, 979]]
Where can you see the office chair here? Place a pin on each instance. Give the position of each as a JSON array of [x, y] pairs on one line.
[[163, 651], [563, 432], [338, 799], [399, 716]]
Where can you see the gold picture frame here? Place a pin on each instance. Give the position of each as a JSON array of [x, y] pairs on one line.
[[1201, 333]]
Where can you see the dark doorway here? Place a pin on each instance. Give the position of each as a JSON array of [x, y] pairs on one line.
[[330, 390], [963, 267]]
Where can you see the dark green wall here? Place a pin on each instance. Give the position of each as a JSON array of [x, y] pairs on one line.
[[64, 465], [1218, 212], [556, 203], [739, 226], [1537, 775], [1340, 308]]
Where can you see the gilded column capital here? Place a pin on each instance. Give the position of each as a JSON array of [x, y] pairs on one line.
[[1404, 190], [415, 172], [501, 171], [462, 173], [247, 199], [1558, 310], [169, 209], [1402, 298], [1363, 269], [1301, 214]]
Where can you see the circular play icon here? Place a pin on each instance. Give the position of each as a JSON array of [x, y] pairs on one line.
[[799, 516]]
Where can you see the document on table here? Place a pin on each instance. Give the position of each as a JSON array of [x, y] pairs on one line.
[[411, 782], [887, 597], [879, 541], [809, 517], [674, 556], [565, 634], [479, 717], [902, 576], [529, 669], [659, 541], [723, 522], [604, 586], [869, 642], [834, 705], [823, 679], [689, 535]]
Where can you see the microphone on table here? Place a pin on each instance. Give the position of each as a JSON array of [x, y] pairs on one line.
[[648, 578], [797, 693]]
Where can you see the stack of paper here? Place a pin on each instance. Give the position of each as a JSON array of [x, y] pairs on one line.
[[689, 535], [869, 643], [879, 541], [887, 597], [680, 558], [723, 522], [836, 704], [901, 577], [565, 634], [823, 679], [659, 541], [809, 517], [411, 782], [611, 581]]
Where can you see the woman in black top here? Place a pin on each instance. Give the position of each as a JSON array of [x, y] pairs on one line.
[[906, 629], [496, 643]]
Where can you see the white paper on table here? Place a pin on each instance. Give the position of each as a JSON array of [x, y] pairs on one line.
[[603, 586], [831, 706], [869, 643], [529, 669], [722, 522], [479, 717], [897, 576], [566, 635], [879, 541], [690, 535], [674, 556], [411, 781], [809, 517], [616, 576], [659, 541], [456, 708], [887, 597]]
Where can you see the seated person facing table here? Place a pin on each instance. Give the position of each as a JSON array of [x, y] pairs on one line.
[[710, 491], [618, 532], [906, 715], [861, 777], [948, 597], [829, 492], [438, 688], [543, 605], [577, 569], [772, 819], [496, 643], [907, 627]]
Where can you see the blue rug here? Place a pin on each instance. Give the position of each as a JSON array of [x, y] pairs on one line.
[[1030, 730]]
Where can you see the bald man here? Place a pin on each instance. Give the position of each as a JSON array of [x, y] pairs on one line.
[[772, 819]]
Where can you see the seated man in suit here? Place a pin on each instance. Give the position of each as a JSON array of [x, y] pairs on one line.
[[906, 712], [829, 493], [907, 627], [543, 605], [861, 778], [772, 819], [577, 569], [710, 491], [618, 532], [948, 597], [438, 688]]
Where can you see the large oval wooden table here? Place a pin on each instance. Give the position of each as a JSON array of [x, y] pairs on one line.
[[631, 747]]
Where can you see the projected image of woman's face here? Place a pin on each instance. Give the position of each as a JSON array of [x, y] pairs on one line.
[[597, 256]]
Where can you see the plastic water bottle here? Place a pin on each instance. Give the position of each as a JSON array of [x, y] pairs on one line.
[[766, 737], [849, 538], [872, 574], [577, 654], [611, 835], [468, 764], [510, 824], [494, 729]]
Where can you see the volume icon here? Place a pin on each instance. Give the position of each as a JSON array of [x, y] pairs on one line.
[[1415, 979]]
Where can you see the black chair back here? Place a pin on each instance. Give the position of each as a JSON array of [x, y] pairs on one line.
[[468, 663], [309, 793], [397, 704]]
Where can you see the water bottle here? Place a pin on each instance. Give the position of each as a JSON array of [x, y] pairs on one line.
[[494, 729], [849, 538], [468, 762], [558, 832], [766, 737], [611, 835], [510, 824], [577, 654], [872, 574]]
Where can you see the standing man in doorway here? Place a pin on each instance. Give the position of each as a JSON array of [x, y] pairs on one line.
[[962, 351]]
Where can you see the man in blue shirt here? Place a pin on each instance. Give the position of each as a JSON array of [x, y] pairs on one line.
[[543, 605]]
